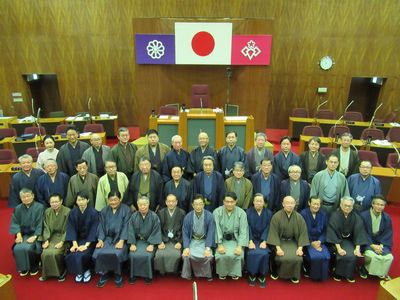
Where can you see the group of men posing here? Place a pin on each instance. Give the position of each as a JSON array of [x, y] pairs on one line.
[[199, 206]]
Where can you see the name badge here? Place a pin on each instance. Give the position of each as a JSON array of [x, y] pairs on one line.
[[170, 234]]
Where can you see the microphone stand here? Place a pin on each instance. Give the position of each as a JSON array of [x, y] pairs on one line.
[[39, 127], [373, 116], [228, 73], [347, 107], [33, 106], [398, 158], [201, 104], [317, 110], [90, 114], [336, 137]]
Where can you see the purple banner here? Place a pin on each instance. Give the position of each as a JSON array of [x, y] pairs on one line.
[[155, 49]]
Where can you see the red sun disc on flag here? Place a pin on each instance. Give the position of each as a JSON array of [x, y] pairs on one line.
[[203, 43]]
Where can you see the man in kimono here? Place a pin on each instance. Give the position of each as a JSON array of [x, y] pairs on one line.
[[256, 154], [330, 185], [317, 257], [180, 187], [346, 234], [154, 150], [111, 248], [96, 155], [288, 235], [198, 234], [312, 161], [285, 158], [53, 239], [82, 181], [112, 181], [26, 225], [168, 255], [82, 227], [124, 152], [363, 186], [26, 178], [145, 182], [348, 158], [51, 182], [210, 184], [177, 157], [378, 251], [204, 149], [144, 233], [231, 237], [268, 184], [240, 185], [296, 187], [229, 154], [257, 256], [71, 151]]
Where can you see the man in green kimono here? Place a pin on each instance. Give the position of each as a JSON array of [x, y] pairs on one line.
[[124, 152], [231, 236], [239, 184]]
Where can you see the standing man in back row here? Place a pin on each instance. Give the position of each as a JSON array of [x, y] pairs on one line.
[[257, 154], [124, 152], [229, 154]]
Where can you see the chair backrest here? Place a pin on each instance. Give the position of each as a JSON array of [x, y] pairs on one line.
[[35, 130], [325, 114], [300, 112], [32, 151], [392, 161], [312, 130], [7, 132], [373, 133], [200, 96], [393, 134], [56, 114], [353, 116], [338, 130], [60, 129], [372, 156], [95, 128], [326, 150], [170, 110], [134, 132], [390, 117], [7, 156]]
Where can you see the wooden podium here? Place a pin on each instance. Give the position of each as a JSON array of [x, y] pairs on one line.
[[7, 290], [389, 290]]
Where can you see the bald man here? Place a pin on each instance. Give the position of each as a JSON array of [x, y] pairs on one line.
[[96, 155], [204, 149]]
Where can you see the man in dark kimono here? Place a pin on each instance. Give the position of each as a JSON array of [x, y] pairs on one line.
[[71, 151], [268, 184], [198, 233], [210, 184], [26, 178], [288, 235], [317, 257], [378, 252], [26, 225], [52, 182], [124, 152], [177, 157], [144, 234], [346, 234], [257, 256], [240, 185], [145, 182], [256, 154], [179, 187], [348, 158], [229, 154], [204, 149], [296, 187], [168, 255], [96, 155], [312, 161], [285, 158]]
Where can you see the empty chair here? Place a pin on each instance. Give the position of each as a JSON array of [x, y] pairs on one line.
[[7, 156], [393, 134], [338, 130], [353, 116], [390, 117], [134, 132], [200, 96], [7, 132], [392, 161], [95, 128], [325, 114], [300, 112], [326, 150], [35, 130], [312, 130], [372, 133], [57, 114], [170, 110], [60, 129], [372, 156], [34, 152]]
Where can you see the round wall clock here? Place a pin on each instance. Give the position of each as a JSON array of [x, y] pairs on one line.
[[326, 63]]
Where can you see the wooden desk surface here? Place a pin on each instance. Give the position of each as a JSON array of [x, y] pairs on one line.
[[41, 120], [5, 121], [332, 122]]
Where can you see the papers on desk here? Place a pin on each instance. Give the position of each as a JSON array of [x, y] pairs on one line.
[[70, 119], [29, 119], [166, 117], [394, 124], [85, 133], [106, 116], [381, 142], [236, 118]]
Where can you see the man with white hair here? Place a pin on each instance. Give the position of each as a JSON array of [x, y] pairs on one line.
[[201, 151], [96, 155], [177, 157], [256, 154]]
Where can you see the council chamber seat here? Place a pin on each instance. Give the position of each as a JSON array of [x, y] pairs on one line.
[[7, 156], [326, 150], [393, 134], [169, 110], [372, 156], [34, 152], [300, 112], [60, 129], [94, 128], [325, 114], [35, 130], [393, 161], [7, 132], [353, 116], [312, 130], [338, 130], [200, 96], [372, 133], [390, 117]]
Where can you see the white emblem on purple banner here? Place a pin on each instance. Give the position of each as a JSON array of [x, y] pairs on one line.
[[155, 49]]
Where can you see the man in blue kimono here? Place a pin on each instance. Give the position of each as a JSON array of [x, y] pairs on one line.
[[229, 154], [204, 149], [180, 187], [285, 158], [177, 157], [256, 154], [296, 187]]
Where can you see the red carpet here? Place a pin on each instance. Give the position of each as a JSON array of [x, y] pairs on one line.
[[175, 288]]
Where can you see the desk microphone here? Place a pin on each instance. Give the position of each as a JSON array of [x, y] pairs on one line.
[[88, 105], [373, 116], [336, 135], [201, 103], [369, 139], [347, 107], [317, 110], [33, 106], [153, 113], [355, 148], [398, 157]]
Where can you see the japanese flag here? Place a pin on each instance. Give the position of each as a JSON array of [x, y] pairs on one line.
[[203, 43]]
